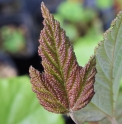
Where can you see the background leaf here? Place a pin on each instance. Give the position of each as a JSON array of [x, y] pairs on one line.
[[18, 104], [118, 112], [85, 46], [109, 66], [89, 113]]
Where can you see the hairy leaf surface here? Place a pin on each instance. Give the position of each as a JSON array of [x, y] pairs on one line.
[[64, 86], [109, 72]]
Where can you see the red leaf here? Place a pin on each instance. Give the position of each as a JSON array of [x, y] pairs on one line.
[[64, 86]]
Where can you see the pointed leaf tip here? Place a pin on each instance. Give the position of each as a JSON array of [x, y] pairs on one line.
[[44, 10], [31, 67]]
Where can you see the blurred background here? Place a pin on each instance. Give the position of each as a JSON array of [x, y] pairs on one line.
[[20, 23]]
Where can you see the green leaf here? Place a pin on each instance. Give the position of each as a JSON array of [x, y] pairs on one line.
[[109, 72], [64, 86], [13, 40], [109, 68], [104, 4], [118, 111], [121, 84], [75, 12], [85, 45], [19, 106], [89, 113], [72, 11]]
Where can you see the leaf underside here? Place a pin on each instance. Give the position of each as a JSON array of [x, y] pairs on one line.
[[109, 72], [118, 112], [64, 86], [109, 68]]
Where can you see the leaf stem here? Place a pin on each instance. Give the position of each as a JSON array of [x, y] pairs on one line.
[[112, 120], [74, 119]]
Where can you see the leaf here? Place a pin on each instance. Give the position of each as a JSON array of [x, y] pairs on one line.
[[89, 113], [118, 111], [109, 72], [64, 86], [104, 4], [19, 106], [109, 68], [86, 46], [121, 84]]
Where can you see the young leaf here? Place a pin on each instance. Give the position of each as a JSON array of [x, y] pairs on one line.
[[109, 72], [64, 86]]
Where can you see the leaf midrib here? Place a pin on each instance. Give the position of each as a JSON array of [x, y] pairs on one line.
[[58, 61]]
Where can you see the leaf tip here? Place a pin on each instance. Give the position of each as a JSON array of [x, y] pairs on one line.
[[30, 68], [44, 10]]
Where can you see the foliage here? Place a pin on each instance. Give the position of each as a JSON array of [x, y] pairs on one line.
[[118, 112], [121, 85], [12, 38], [19, 106], [76, 20], [65, 87], [85, 45], [104, 4], [75, 12], [108, 64]]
